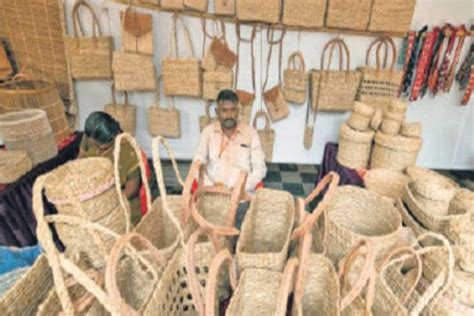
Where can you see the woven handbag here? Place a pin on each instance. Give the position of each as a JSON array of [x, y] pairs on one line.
[[137, 32], [309, 127], [13, 165], [295, 80], [213, 81], [380, 85], [305, 13], [196, 5], [352, 15], [219, 53], [205, 120], [181, 76], [166, 121], [393, 16], [124, 113], [266, 135], [267, 11], [274, 100], [335, 90], [89, 57], [174, 5], [224, 7], [133, 72]]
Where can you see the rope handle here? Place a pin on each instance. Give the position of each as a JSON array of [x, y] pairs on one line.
[[222, 257], [293, 59], [386, 41], [272, 42], [218, 35], [187, 195], [260, 114], [174, 39], [270, 34], [158, 94], [76, 19], [342, 49], [252, 54], [114, 100], [286, 286], [303, 255]]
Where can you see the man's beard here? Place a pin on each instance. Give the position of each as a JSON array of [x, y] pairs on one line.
[[229, 123]]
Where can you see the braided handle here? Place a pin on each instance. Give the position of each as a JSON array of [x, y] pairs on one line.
[[76, 19], [292, 60]]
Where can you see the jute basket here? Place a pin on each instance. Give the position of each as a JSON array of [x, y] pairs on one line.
[[205, 120], [398, 106], [125, 114], [265, 236], [392, 123], [463, 200], [29, 130], [214, 81], [385, 182], [343, 14], [334, 90], [410, 221], [394, 152], [267, 11], [393, 16], [245, 105], [13, 165], [224, 7], [89, 57], [165, 121], [361, 116], [133, 72], [376, 120], [136, 32], [266, 135], [181, 76], [354, 147], [196, 5], [295, 79], [411, 129], [174, 5], [306, 13]]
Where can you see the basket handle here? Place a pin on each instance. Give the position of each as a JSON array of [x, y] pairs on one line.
[[386, 41], [252, 55], [114, 99], [303, 255], [272, 42], [187, 195], [343, 50], [174, 37], [223, 257], [77, 21], [292, 61], [286, 286], [260, 114], [159, 81]]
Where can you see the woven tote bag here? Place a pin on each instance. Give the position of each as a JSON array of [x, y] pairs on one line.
[[137, 32], [124, 113], [380, 85], [266, 135], [181, 76], [206, 119], [267, 11], [274, 100], [295, 79], [216, 80], [265, 236], [196, 5], [393, 16], [164, 121], [30, 131], [335, 90], [347, 14], [224, 7], [89, 57], [218, 53], [13, 165], [174, 5], [133, 72], [305, 13]]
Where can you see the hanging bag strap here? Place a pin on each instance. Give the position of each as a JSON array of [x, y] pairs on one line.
[[76, 21], [262, 114], [174, 49], [251, 40], [114, 100], [158, 95], [218, 34], [271, 41], [343, 51], [293, 59]]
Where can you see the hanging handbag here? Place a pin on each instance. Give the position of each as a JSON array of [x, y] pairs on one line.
[[350, 15], [137, 32], [336, 90], [306, 13], [246, 98], [295, 80], [380, 85], [391, 16], [196, 5], [273, 97], [218, 53], [224, 7], [267, 11], [89, 57], [162, 121], [172, 4], [266, 135], [214, 81], [181, 76], [206, 119], [124, 113]]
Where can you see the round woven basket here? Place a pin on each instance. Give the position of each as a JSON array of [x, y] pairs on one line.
[[355, 213], [432, 185], [394, 152], [392, 122], [398, 106], [13, 165], [411, 129], [463, 200], [389, 183], [361, 116], [461, 287], [376, 120], [354, 147]]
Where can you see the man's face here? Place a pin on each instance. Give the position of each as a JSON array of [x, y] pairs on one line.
[[227, 113]]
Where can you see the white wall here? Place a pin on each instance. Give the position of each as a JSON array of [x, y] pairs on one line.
[[447, 127]]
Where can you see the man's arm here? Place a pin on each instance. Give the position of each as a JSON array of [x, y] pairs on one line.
[[257, 164]]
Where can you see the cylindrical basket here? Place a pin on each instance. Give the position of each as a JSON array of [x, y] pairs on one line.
[[361, 116], [13, 165], [412, 129], [394, 152], [376, 119], [398, 106], [392, 122], [354, 147], [388, 183]]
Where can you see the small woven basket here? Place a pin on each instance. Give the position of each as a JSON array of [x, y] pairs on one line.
[[354, 147], [295, 80], [411, 129], [13, 165], [376, 120], [394, 152], [124, 113], [398, 106], [392, 122], [361, 116], [385, 182]]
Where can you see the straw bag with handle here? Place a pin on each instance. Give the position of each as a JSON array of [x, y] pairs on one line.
[[267, 11], [335, 90], [89, 57], [224, 7], [174, 5], [307, 13], [181, 76], [380, 85], [218, 53], [295, 80], [196, 5], [393, 16], [164, 121], [274, 100], [246, 98], [137, 32], [266, 135], [214, 81], [208, 60], [125, 113], [205, 120], [309, 127], [352, 15]]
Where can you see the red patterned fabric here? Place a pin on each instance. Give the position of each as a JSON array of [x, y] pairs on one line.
[[457, 55], [443, 71], [423, 63], [469, 88]]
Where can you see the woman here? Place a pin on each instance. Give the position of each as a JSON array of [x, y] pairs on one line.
[[99, 141]]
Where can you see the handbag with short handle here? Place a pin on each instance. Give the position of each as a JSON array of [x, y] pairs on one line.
[[137, 32], [164, 121], [124, 113], [266, 135], [295, 79]]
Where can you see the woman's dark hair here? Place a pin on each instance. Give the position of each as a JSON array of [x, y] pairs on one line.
[[102, 127], [227, 95]]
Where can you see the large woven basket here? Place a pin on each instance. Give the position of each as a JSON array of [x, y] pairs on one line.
[[29, 130], [307, 13], [13, 165], [164, 121], [267, 11], [394, 152], [352, 15], [385, 182], [392, 16], [265, 236], [354, 147], [295, 79], [124, 113], [266, 135]]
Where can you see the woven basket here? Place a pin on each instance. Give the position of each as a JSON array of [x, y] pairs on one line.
[[388, 183], [411, 129], [215, 81], [267, 11], [398, 106], [89, 57], [376, 120], [13, 165], [306, 13], [30, 93], [394, 152], [352, 15], [125, 114], [166, 121], [266, 230], [361, 116], [28, 130], [392, 123], [181, 76], [245, 105], [28, 293], [461, 287], [462, 201], [174, 5], [334, 90], [393, 16], [196, 5], [266, 135], [133, 72], [410, 221], [380, 85], [354, 147], [295, 80], [224, 7], [136, 32], [205, 120]]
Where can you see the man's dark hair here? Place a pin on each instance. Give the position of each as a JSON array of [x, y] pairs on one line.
[[227, 95], [102, 127]]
